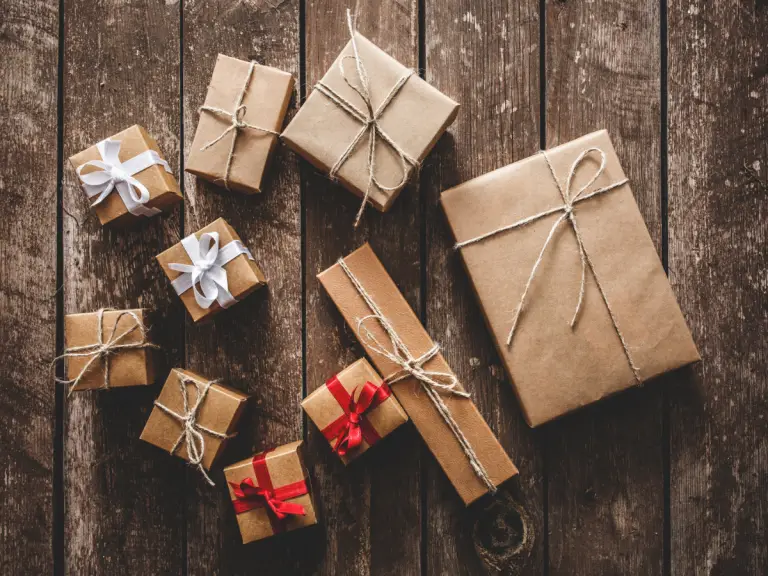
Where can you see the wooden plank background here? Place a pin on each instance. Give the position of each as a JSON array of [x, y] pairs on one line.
[[668, 479]]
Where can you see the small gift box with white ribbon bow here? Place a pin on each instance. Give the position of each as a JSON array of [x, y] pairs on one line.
[[126, 178], [354, 410], [211, 269]]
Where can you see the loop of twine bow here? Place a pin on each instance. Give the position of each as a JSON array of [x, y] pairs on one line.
[[370, 122], [192, 433], [570, 201], [432, 382], [102, 349], [249, 496], [236, 123]]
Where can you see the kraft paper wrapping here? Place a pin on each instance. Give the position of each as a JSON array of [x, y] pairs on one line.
[[126, 367], [243, 275], [163, 189], [220, 411], [285, 465], [437, 436], [415, 119], [555, 369], [323, 409], [266, 99]]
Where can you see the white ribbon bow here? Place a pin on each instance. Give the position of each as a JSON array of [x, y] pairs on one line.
[[116, 175], [207, 269]]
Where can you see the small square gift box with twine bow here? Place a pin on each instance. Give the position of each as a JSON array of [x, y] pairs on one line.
[[271, 493], [239, 124], [211, 269], [354, 410], [107, 349], [568, 278], [369, 123], [126, 178], [193, 418]]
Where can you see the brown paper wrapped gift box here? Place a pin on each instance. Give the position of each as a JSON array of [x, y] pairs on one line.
[[555, 368], [415, 119], [265, 102], [324, 409], [243, 275], [432, 427], [285, 465], [163, 189]]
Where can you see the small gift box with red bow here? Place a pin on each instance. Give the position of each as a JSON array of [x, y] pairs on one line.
[[271, 493], [354, 410]]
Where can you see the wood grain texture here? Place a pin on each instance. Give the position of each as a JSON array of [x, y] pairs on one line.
[[123, 509], [29, 44], [256, 346], [372, 509], [718, 208], [605, 464], [487, 58]]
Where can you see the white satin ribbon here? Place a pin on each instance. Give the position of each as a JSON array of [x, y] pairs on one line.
[[116, 175], [207, 269]]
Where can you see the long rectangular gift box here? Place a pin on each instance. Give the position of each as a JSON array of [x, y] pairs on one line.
[[399, 346], [567, 277]]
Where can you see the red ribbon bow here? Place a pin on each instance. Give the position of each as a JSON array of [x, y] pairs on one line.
[[350, 428], [248, 496]]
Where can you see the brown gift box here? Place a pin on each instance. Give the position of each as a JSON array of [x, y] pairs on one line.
[[554, 368], [265, 103], [163, 189], [285, 466], [324, 409], [126, 367], [368, 269], [243, 274], [220, 411], [415, 119]]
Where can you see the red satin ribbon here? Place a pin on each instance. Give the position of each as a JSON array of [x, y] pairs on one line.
[[351, 427], [249, 496]]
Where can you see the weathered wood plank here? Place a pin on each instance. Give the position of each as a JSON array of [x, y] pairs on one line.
[[257, 345], [372, 509], [718, 208], [605, 464], [29, 43], [123, 507], [487, 58]]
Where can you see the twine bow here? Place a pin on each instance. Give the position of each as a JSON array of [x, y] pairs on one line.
[[237, 123], [570, 201], [432, 382], [192, 433], [117, 175], [369, 118], [102, 349]]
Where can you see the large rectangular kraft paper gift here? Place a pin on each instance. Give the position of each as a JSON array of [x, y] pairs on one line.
[[555, 368], [414, 119], [163, 189], [220, 411], [285, 466], [127, 367], [265, 102], [364, 264], [324, 409]]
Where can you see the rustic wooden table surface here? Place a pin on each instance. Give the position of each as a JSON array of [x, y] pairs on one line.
[[669, 479]]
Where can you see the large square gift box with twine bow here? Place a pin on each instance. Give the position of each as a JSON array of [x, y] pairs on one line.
[[271, 492], [354, 409], [431, 394], [239, 124], [107, 349], [193, 418], [369, 123], [567, 277], [211, 269], [126, 178]]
